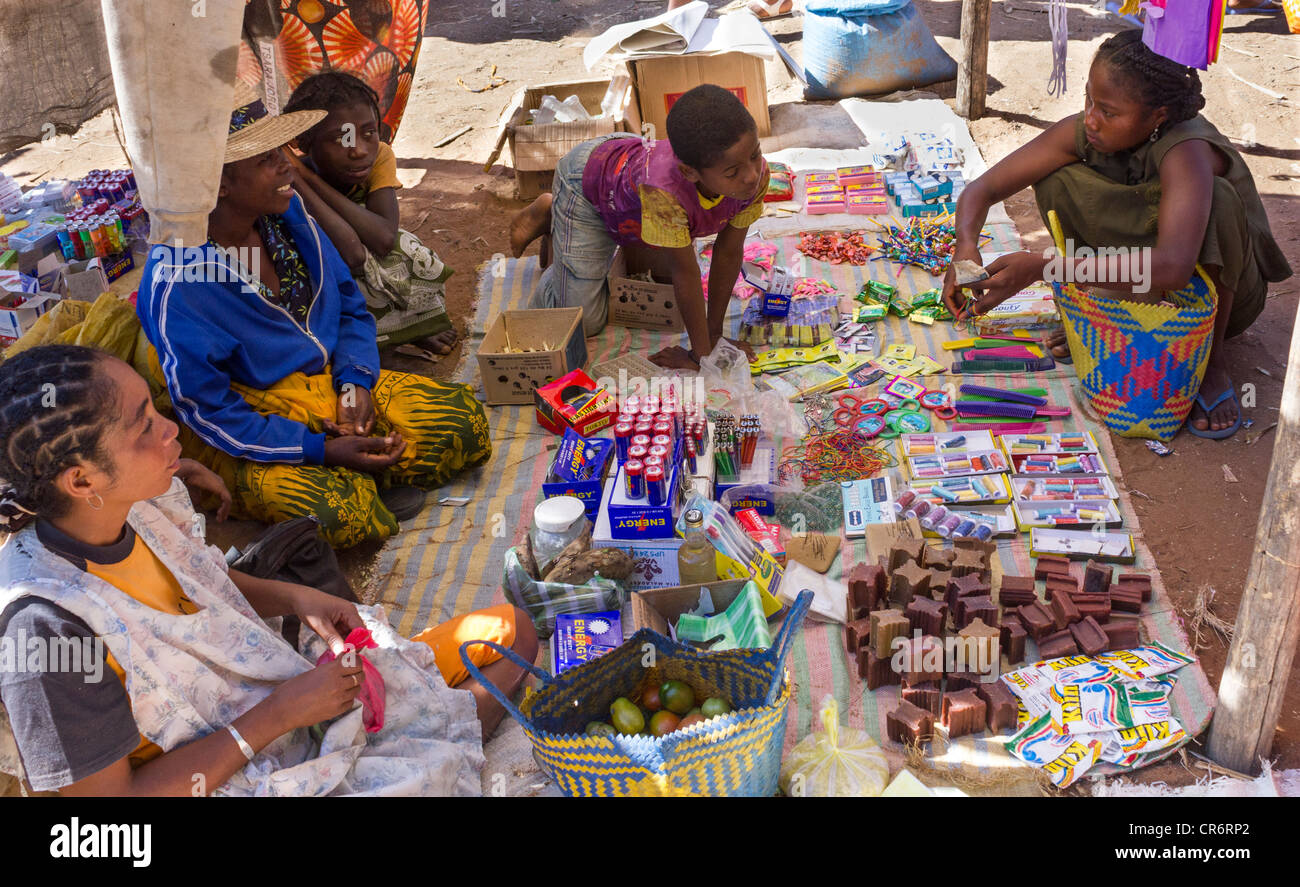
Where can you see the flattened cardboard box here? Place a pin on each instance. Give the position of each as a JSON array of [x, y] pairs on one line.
[[662, 80]]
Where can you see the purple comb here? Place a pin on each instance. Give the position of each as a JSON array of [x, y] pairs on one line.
[[1002, 394], [989, 408]]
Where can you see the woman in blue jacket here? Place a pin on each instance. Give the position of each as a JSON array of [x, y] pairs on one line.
[[269, 356]]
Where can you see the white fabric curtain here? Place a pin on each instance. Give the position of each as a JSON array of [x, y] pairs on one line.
[[173, 67]]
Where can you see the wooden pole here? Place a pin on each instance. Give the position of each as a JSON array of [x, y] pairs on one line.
[[973, 70], [1268, 621]]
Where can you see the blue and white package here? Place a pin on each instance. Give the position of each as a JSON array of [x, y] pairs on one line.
[[583, 637]]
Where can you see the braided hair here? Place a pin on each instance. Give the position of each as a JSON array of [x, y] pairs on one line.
[[327, 91], [1158, 82], [52, 417]]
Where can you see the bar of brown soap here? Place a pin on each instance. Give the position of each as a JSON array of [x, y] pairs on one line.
[[971, 608], [964, 586], [867, 584], [923, 659], [906, 551], [963, 713], [1051, 564], [1121, 634], [1098, 606], [1000, 705], [875, 671], [1125, 599], [1016, 591], [1097, 577], [1056, 584], [1065, 611], [1141, 580], [926, 695], [968, 562], [907, 582], [979, 643], [1038, 620], [857, 634], [909, 724], [939, 557], [885, 626], [1088, 635], [927, 615], [984, 549], [1056, 645], [960, 680], [1013, 639], [939, 578]]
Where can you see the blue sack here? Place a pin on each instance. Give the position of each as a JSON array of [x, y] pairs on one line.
[[860, 47]]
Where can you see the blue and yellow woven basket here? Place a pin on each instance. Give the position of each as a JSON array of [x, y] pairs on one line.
[[1140, 364], [737, 754]]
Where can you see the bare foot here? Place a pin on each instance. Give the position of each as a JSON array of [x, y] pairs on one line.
[[442, 343], [1059, 345], [765, 9], [530, 224], [1222, 415]]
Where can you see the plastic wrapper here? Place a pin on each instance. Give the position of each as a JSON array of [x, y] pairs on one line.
[[1147, 661], [1075, 670], [729, 387], [1124, 747], [1097, 708], [1063, 757], [1031, 687], [543, 601], [836, 762]]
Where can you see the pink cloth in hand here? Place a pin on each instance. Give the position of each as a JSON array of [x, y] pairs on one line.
[[372, 683]]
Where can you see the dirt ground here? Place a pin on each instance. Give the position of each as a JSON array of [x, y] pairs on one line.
[[1199, 524]]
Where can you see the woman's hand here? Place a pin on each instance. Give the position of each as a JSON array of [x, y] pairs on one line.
[[1008, 275], [321, 694], [951, 292], [368, 454], [332, 618], [356, 412], [200, 477]]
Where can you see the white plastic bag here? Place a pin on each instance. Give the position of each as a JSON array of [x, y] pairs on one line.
[[729, 386], [838, 762]]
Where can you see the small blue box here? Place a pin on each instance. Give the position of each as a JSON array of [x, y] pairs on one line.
[[588, 489], [582, 637]]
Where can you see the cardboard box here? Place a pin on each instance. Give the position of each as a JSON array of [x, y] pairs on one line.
[[635, 519], [575, 401], [511, 377], [655, 559], [662, 80], [536, 149], [659, 608], [761, 471], [16, 319], [640, 303], [587, 491]]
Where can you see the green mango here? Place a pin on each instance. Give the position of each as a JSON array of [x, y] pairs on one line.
[[626, 717]]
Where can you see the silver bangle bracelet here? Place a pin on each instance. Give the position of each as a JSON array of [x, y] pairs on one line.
[[243, 743]]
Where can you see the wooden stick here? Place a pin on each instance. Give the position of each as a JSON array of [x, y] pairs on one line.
[[972, 72], [1268, 621]]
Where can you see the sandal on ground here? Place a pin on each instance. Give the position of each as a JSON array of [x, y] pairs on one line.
[[1222, 432], [1267, 7], [410, 349], [767, 10]]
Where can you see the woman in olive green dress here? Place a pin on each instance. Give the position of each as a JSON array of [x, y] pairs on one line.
[[1140, 169]]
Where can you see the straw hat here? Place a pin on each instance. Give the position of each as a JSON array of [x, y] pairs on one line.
[[253, 131]]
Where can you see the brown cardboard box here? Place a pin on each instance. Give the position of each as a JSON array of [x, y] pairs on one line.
[[510, 377], [640, 303], [660, 81], [657, 607], [536, 149]]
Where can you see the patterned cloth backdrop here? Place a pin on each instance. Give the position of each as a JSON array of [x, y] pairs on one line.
[[377, 40]]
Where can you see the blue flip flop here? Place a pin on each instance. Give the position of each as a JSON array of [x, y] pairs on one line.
[[1267, 7], [1222, 432]]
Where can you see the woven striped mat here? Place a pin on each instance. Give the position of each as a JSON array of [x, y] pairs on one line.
[[450, 562]]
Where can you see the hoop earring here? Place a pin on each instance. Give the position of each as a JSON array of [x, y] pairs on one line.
[[93, 505]]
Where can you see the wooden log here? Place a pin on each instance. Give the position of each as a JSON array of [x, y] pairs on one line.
[[973, 69], [1268, 621]]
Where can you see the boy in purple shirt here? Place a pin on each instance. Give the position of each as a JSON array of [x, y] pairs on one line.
[[707, 178]]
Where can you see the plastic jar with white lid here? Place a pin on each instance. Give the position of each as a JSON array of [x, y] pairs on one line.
[[556, 522]]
